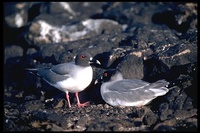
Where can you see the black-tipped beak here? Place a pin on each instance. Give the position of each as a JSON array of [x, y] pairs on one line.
[[95, 62]]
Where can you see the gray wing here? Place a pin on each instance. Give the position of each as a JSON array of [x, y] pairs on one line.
[[126, 97], [127, 85], [50, 76], [63, 69], [134, 90]]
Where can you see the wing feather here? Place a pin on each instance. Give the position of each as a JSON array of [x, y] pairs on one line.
[[63, 69], [127, 85]]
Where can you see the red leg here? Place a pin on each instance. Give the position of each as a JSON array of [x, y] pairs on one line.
[[67, 96], [78, 101]]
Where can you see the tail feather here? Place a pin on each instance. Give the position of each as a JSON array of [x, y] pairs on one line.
[[160, 91], [32, 70], [36, 71], [160, 83], [159, 87]]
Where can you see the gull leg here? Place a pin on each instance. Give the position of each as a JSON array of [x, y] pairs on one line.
[[78, 101], [67, 96]]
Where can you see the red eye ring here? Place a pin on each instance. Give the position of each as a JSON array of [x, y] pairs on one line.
[[105, 74], [83, 56]]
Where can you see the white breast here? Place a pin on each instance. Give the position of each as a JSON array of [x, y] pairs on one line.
[[78, 82]]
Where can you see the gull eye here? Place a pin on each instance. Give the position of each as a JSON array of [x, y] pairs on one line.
[[105, 74], [83, 56]]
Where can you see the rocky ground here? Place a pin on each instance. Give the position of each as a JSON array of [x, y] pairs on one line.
[[145, 40]]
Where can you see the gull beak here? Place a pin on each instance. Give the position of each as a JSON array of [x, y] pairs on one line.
[[99, 80], [94, 62]]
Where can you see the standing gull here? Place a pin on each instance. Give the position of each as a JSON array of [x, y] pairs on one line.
[[71, 76], [118, 91]]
